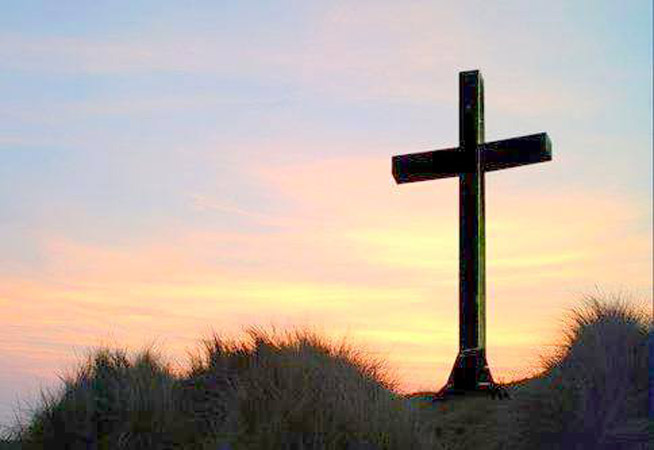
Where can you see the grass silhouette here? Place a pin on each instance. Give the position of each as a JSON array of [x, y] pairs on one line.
[[297, 392]]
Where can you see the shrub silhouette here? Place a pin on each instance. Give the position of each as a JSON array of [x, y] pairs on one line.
[[593, 392], [297, 392]]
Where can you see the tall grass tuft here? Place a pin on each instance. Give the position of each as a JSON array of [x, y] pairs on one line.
[[109, 402], [296, 392], [593, 392]]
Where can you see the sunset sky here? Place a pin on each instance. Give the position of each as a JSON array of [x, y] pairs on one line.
[[167, 170]]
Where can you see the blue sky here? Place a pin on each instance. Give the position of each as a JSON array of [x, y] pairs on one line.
[[180, 157]]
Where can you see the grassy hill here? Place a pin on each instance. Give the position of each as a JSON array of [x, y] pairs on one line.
[[299, 393]]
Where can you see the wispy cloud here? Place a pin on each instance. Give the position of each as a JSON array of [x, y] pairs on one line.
[[100, 56], [202, 202], [363, 52]]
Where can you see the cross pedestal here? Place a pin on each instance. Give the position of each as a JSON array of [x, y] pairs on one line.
[[469, 161]]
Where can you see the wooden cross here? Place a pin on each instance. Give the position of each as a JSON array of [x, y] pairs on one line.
[[469, 162]]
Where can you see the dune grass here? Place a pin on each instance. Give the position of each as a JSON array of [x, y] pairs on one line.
[[298, 392]]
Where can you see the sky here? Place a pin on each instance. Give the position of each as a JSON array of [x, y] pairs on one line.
[[169, 169]]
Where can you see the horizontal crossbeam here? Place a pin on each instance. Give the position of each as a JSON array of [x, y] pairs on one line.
[[428, 165], [451, 162], [516, 152]]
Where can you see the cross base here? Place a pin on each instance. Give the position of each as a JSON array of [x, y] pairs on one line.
[[471, 375], [470, 371]]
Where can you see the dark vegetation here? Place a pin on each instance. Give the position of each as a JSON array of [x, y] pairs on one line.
[[299, 393]]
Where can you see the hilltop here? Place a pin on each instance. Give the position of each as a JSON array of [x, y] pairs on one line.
[[297, 392]]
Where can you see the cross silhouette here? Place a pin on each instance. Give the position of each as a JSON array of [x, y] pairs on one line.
[[469, 162]]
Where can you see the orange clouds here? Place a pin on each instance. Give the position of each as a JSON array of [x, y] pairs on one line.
[[353, 252]]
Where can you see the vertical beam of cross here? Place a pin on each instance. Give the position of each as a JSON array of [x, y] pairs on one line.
[[469, 162], [471, 367]]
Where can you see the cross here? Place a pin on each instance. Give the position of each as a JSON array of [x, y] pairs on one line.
[[469, 162]]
